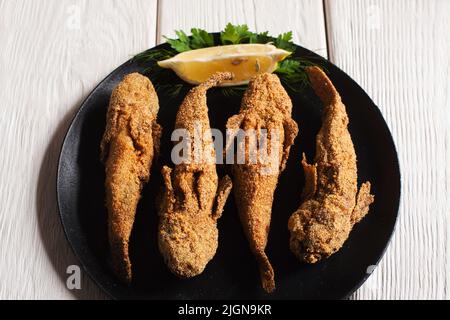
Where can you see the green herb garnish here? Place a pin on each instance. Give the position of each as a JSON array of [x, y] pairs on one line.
[[235, 34], [284, 41], [291, 70], [183, 43], [199, 39]]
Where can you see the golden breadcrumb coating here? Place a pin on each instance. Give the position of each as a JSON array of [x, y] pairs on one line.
[[193, 198], [128, 147], [331, 204], [265, 106]]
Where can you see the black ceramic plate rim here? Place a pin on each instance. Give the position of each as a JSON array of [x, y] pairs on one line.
[[92, 93]]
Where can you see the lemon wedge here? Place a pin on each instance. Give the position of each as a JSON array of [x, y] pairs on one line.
[[244, 60]]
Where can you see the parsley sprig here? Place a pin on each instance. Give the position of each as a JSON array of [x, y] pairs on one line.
[[232, 34], [291, 70], [199, 39]]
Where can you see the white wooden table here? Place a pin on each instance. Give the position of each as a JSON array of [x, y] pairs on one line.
[[53, 53]]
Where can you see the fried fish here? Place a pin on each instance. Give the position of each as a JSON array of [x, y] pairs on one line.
[[193, 198], [266, 108], [128, 147], [331, 204]]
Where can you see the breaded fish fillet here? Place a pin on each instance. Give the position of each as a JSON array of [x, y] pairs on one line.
[[193, 199], [265, 106], [331, 204], [129, 144]]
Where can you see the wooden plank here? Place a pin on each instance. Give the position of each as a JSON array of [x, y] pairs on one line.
[[303, 17], [53, 54], [399, 51]]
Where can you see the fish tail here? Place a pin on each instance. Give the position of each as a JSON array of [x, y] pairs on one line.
[[266, 272]]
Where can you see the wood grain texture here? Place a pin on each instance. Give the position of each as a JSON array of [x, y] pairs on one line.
[[55, 51], [304, 17], [399, 51], [53, 54]]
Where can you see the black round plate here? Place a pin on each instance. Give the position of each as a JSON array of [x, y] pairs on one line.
[[233, 273]]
